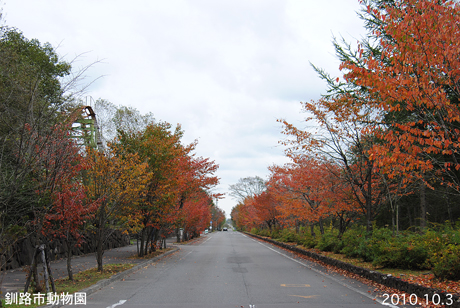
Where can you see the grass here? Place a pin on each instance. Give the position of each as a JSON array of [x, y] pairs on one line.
[[81, 281], [359, 262], [150, 255]]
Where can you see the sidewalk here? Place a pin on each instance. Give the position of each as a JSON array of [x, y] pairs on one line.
[[15, 280]]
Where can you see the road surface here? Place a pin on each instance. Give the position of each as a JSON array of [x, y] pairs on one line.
[[230, 269]]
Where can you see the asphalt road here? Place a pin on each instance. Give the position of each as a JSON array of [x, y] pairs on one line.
[[230, 269]]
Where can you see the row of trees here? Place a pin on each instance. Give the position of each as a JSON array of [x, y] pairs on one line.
[[141, 179], [382, 146]]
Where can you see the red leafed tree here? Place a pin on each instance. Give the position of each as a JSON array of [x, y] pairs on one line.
[[413, 84], [243, 214], [196, 176], [308, 191], [265, 206], [196, 213], [71, 210], [218, 217], [58, 175]]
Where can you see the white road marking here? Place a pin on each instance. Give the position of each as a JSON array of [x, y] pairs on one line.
[[206, 240], [121, 302], [186, 255], [319, 272]]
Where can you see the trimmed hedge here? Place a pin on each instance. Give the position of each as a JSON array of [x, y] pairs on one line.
[[435, 250]]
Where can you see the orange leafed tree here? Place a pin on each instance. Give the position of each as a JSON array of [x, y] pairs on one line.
[[396, 110], [266, 209], [196, 177], [412, 83], [196, 213], [244, 214], [308, 191], [116, 182]]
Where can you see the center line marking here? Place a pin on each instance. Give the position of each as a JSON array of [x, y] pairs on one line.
[[121, 302]]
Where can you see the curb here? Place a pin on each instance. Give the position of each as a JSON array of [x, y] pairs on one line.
[[105, 282], [386, 280]]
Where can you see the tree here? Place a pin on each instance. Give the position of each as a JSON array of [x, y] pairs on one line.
[[197, 175], [341, 137], [162, 150], [266, 209], [247, 187], [196, 214], [309, 191], [115, 181], [413, 82], [243, 215], [218, 217], [71, 208], [398, 100], [31, 98]]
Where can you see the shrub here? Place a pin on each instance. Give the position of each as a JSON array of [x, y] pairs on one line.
[[329, 242], [446, 263], [404, 251], [275, 233], [288, 236], [264, 232], [351, 240], [307, 240]]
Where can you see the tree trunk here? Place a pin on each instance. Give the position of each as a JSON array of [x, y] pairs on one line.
[[393, 222], [100, 234], [449, 208], [141, 249], [99, 255], [312, 229], [411, 224], [31, 271], [178, 234], [69, 259], [155, 236], [369, 203], [422, 206], [321, 226]]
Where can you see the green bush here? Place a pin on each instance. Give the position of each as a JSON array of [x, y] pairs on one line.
[[275, 234], [403, 251], [446, 263], [264, 232], [288, 236], [351, 241], [307, 240], [437, 249], [329, 242]]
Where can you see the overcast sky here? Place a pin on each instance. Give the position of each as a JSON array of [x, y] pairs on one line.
[[224, 70]]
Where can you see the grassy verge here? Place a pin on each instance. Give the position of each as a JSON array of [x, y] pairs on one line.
[[151, 255], [81, 281]]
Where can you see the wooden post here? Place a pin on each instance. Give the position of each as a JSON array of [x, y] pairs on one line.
[[32, 266], [45, 268], [53, 287]]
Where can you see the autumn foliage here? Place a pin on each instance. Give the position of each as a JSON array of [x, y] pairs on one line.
[[382, 145]]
